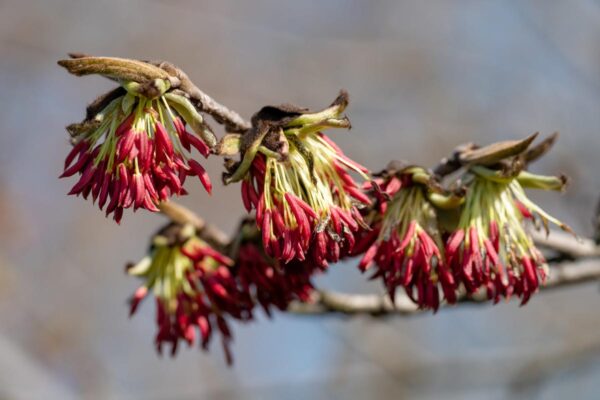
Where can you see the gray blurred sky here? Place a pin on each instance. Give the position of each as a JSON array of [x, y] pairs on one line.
[[423, 77]]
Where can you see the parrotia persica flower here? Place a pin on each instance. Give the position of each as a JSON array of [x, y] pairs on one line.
[[195, 291], [491, 248], [135, 150], [300, 184], [270, 282], [408, 248]]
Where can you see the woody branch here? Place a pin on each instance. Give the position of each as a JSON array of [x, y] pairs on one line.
[[583, 267]]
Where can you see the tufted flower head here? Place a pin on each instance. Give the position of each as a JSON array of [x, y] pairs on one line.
[[408, 249], [270, 282], [491, 247], [300, 184], [194, 288], [133, 148]]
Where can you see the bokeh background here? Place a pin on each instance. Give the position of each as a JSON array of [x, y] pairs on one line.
[[423, 77]]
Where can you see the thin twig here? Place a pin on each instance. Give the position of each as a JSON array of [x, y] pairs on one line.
[[567, 244], [139, 70], [232, 121], [327, 303], [183, 215]]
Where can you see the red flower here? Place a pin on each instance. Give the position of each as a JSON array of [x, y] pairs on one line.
[[307, 204], [491, 249], [271, 282], [300, 184], [408, 250], [195, 290], [297, 213], [133, 155]]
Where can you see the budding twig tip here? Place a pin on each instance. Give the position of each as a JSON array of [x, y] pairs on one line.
[[342, 99], [566, 181], [532, 137], [77, 54]]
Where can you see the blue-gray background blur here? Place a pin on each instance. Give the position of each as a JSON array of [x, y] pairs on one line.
[[423, 77]]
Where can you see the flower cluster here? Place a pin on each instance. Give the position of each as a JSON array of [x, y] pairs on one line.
[[270, 281], [490, 248], [306, 200], [195, 289], [132, 152], [438, 242], [198, 289], [425, 238], [408, 248]]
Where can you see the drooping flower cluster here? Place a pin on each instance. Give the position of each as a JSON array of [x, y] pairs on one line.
[[306, 201], [194, 287], [425, 238], [297, 212], [270, 282], [198, 290], [490, 248], [134, 152], [408, 248]]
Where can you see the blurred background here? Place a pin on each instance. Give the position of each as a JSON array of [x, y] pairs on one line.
[[423, 77]]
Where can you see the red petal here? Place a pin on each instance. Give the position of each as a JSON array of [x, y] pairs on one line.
[[198, 144], [163, 140], [80, 148], [197, 169]]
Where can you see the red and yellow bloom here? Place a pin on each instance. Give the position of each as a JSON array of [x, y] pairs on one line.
[[408, 250], [134, 152], [306, 200], [491, 248], [194, 287]]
